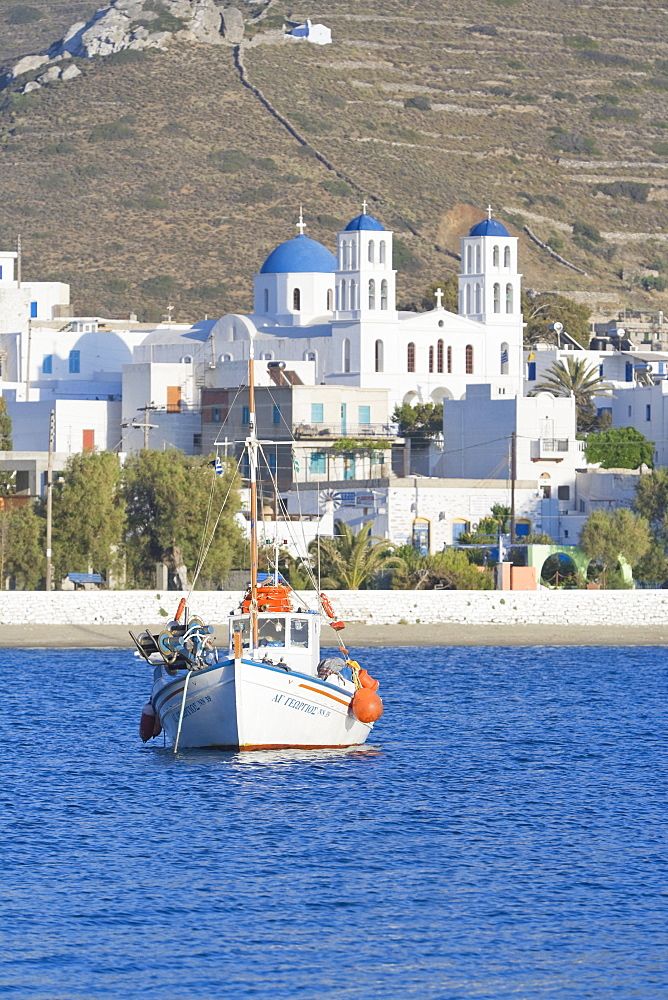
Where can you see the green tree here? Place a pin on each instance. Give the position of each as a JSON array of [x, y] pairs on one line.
[[167, 496], [574, 377], [619, 448], [448, 570], [608, 535], [543, 310], [651, 499], [449, 285], [22, 550], [88, 514], [5, 426], [653, 567], [351, 561], [422, 420]]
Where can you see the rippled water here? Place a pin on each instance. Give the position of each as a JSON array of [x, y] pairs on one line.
[[503, 836]]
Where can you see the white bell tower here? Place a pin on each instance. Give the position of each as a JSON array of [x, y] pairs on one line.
[[365, 282], [489, 283]]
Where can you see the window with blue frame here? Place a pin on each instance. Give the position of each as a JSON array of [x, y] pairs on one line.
[[75, 362], [531, 371], [47, 364], [245, 414], [271, 462], [318, 463], [317, 415], [648, 412], [364, 414], [0, 272], [277, 414], [215, 414], [33, 310]]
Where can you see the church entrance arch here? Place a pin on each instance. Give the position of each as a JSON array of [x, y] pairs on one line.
[[441, 393]]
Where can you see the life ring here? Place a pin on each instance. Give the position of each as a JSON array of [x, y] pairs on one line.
[[327, 606]]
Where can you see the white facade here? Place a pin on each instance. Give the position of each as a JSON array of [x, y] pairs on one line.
[[80, 425], [317, 34], [645, 407], [165, 396]]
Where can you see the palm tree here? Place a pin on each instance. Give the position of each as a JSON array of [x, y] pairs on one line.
[[574, 378], [349, 561]]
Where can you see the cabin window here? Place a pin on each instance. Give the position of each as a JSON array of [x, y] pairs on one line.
[[270, 631], [299, 633], [242, 625]]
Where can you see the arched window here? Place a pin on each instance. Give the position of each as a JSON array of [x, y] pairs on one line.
[[497, 298], [459, 526], [410, 357], [267, 356], [495, 257], [346, 256], [310, 356], [372, 251], [504, 359], [346, 355], [506, 257], [381, 251], [477, 260], [449, 361], [186, 359], [344, 300], [372, 295], [353, 255], [379, 356], [431, 359], [383, 294], [266, 300], [469, 259], [225, 357], [353, 294], [329, 300], [468, 298], [477, 297], [439, 357], [509, 298], [296, 300], [469, 359]]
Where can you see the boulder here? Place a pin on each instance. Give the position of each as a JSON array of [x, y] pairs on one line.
[[52, 74], [70, 72], [232, 25], [205, 22], [31, 85], [28, 64]]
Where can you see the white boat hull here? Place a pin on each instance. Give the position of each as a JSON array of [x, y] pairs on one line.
[[241, 704]]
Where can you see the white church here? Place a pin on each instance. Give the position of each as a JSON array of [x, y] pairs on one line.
[[340, 312]]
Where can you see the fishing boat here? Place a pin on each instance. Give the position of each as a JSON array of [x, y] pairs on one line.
[[266, 685]]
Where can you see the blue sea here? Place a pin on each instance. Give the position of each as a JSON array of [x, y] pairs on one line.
[[502, 836]]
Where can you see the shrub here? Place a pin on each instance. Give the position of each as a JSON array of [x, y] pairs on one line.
[[658, 82], [565, 95], [580, 42], [332, 100], [111, 132], [660, 148], [654, 283], [610, 112], [329, 222], [126, 57], [59, 148], [253, 196], [590, 233], [267, 163], [526, 98], [634, 190], [229, 161], [336, 187], [605, 58], [404, 259], [515, 64], [501, 91], [421, 103], [573, 142], [482, 29], [162, 286], [22, 14]]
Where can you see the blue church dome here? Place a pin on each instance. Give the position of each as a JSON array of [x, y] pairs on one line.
[[489, 227], [365, 222], [300, 254]]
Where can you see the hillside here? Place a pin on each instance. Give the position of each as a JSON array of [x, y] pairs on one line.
[[158, 176]]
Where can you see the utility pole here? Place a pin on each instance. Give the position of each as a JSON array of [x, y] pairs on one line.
[[28, 361], [18, 260], [513, 477], [145, 426], [49, 499]]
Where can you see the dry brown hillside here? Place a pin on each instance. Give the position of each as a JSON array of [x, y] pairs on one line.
[[163, 178]]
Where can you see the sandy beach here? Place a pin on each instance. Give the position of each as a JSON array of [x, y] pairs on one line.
[[116, 636]]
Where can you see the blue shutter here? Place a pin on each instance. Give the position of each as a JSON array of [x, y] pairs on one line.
[[33, 310], [277, 414], [317, 415], [531, 372], [47, 364], [318, 464], [245, 414], [364, 415], [75, 362]]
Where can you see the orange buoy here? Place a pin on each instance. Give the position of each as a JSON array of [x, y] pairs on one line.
[[337, 626], [179, 610], [367, 681], [366, 706]]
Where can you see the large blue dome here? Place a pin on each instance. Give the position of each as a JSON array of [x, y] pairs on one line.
[[298, 255], [365, 222], [489, 227]]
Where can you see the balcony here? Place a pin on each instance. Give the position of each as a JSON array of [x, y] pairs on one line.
[[338, 430], [550, 449]]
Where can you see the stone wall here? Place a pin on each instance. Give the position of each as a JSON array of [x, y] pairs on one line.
[[566, 607]]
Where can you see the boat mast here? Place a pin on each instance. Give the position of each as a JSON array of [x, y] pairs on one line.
[[251, 444]]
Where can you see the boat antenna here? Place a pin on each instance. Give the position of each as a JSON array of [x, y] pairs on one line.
[[251, 446]]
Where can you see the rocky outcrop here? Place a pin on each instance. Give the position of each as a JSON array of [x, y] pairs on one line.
[[132, 24]]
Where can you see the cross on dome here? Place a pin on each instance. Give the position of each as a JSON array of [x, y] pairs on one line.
[[489, 211], [438, 294], [365, 205], [301, 225]]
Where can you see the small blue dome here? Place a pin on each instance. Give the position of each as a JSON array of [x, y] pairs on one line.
[[298, 255], [365, 222], [489, 227]]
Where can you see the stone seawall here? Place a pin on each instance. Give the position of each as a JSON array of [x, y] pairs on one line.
[[566, 607]]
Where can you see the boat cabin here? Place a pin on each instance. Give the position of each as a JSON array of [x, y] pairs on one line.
[[284, 639]]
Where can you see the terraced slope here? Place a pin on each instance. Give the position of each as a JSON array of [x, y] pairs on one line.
[[166, 179]]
